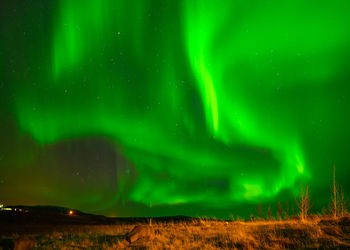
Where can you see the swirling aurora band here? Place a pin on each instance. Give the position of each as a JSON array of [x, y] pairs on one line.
[[211, 102]]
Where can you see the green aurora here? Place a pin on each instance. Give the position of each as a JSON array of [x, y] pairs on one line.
[[211, 104]]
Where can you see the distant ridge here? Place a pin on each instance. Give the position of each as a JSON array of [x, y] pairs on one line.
[[55, 215]]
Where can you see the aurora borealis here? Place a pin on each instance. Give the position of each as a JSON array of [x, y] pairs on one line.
[[132, 108]]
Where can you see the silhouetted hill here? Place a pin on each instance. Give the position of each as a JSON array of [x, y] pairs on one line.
[[53, 215], [48, 215]]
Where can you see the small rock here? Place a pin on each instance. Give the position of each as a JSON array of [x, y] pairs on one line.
[[24, 243], [139, 232]]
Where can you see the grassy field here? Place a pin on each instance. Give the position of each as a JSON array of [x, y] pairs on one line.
[[316, 232]]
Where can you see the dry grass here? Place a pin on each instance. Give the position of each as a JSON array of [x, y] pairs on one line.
[[316, 232]]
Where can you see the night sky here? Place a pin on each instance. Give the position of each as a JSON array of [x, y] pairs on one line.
[[192, 107]]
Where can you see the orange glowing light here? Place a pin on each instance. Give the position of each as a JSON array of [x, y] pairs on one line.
[[71, 212]]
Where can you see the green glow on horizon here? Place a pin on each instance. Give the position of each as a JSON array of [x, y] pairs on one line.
[[211, 109]]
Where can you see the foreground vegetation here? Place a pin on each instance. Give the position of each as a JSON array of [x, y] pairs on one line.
[[316, 232]]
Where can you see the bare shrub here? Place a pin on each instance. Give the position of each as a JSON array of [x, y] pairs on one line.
[[303, 203], [279, 211], [338, 203]]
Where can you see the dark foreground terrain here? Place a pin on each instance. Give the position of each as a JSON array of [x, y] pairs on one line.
[[56, 228]]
